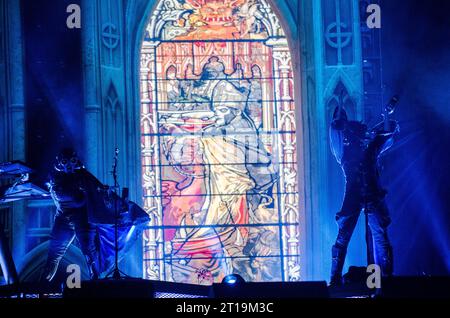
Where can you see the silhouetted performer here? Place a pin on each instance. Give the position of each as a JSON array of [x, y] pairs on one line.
[[357, 150], [67, 188], [85, 209]]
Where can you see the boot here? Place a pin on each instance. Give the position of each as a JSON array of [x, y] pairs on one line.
[[49, 272], [385, 261], [337, 263], [92, 267]]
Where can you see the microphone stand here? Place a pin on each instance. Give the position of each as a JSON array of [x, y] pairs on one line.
[[116, 273]]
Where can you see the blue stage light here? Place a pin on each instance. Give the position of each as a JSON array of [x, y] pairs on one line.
[[233, 279]]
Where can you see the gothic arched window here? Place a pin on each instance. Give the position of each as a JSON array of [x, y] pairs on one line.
[[219, 158]]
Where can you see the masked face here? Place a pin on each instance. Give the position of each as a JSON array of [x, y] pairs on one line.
[[223, 115], [67, 164]]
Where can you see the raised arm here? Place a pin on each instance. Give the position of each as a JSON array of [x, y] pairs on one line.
[[393, 128], [384, 139]]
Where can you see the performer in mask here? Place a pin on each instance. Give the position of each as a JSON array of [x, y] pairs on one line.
[[85, 209], [358, 150], [71, 219]]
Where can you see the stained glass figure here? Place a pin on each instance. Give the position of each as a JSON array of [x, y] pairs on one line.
[[219, 154]]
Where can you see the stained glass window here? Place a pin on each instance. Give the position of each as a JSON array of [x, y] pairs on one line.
[[219, 154]]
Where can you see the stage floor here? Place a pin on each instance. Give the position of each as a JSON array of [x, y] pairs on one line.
[[395, 287]]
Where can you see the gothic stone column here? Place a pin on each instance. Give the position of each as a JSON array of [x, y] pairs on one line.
[[91, 86], [15, 112]]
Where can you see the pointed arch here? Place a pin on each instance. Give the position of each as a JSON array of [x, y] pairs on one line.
[[304, 24], [342, 77], [113, 124], [340, 91], [112, 99], [196, 55]]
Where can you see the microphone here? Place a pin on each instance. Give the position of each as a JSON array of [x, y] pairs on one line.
[[390, 107], [389, 110]]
